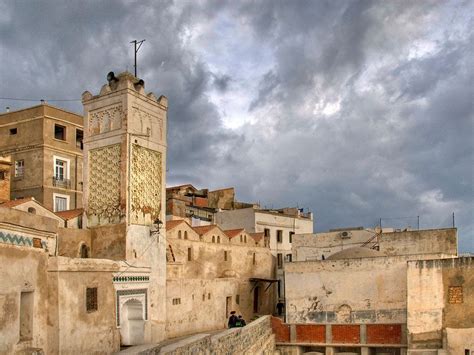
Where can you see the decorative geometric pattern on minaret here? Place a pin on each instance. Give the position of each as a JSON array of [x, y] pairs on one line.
[[145, 183], [146, 120], [104, 181], [105, 120]]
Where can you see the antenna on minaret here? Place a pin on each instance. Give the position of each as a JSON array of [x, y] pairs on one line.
[[139, 43]]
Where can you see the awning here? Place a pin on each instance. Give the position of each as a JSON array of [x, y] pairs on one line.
[[257, 280]]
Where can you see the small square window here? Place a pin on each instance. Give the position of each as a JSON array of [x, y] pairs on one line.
[[91, 299], [59, 132], [13, 131]]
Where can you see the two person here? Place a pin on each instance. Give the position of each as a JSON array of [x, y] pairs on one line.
[[235, 321]]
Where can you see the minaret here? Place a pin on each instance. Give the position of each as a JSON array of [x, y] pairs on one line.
[[124, 175]]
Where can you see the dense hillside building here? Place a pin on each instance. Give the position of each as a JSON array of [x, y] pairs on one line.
[[45, 145]]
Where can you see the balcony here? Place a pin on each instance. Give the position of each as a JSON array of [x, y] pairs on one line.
[[63, 183]]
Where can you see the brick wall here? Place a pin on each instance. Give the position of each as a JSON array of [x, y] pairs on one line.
[[281, 330], [310, 333], [384, 333], [346, 334]]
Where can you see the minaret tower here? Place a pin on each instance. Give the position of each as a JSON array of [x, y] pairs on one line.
[[124, 175]]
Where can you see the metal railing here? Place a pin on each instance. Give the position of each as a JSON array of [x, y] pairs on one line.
[[64, 183]]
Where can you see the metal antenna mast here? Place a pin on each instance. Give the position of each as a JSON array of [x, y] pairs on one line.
[[139, 43]]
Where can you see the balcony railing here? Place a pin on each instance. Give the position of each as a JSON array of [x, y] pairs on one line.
[[64, 183]]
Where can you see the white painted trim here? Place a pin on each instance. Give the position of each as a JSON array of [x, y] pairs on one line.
[[67, 197], [68, 165]]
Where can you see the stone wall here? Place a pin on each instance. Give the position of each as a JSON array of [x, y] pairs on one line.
[[70, 241], [255, 338]]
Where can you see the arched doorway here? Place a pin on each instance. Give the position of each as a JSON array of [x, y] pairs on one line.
[[132, 323]]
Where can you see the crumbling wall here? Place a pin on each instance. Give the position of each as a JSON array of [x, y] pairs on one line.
[[440, 295]]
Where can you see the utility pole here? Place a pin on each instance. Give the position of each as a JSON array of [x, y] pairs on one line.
[[139, 44]]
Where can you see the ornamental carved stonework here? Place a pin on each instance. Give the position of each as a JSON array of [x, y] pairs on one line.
[[148, 121], [145, 184], [105, 120], [104, 181]]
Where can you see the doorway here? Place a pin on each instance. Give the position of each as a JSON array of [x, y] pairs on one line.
[[256, 292], [132, 323]]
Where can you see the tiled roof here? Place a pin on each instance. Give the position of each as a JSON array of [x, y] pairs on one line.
[[257, 236], [14, 203], [171, 224], [231, 233], [201, 230], [69, 214]]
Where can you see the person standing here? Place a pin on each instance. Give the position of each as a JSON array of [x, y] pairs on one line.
[[232, 320]]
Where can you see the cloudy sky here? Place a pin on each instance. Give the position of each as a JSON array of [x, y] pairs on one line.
[[355, 110]]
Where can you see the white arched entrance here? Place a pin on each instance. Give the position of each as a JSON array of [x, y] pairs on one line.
[[132, 322]]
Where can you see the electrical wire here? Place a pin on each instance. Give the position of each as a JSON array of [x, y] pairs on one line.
[[23, 99]]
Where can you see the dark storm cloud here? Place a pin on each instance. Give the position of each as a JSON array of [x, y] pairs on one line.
[[360, 109]]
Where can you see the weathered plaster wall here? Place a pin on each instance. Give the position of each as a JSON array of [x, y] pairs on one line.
[[80, 331], [458, 340], [70, 241], [108, 242], [432, 305], [313, 246], [23, 270], [368, 290], [428, 241], [208, 260]]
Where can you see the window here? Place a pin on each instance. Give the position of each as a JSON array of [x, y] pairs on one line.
[[60, 169], [26, 316], [79, 138], [225, 255], [455, 294], [190, 254], [176, 301], [203, 296], [279, 236], [13, 131], [254, 259], [237, 299], [59, 132], [245, 239], [241, 239], [266, 232], [279, 260], [61, 202], [91, 299], [289, 258], [19, 168], [185, 234], [291, 236], [179, 234], [3, 175], [213, 239], [208, 296], [218, 239], [31, 210]]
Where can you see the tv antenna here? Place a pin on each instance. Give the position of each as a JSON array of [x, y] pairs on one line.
[[137, 44]]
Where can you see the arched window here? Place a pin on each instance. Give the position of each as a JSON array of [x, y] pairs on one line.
[[185, 234], [218, 239], [245, 239], [179, 234], [241, 240], [31, 210], [213, 239], [84, 251]]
